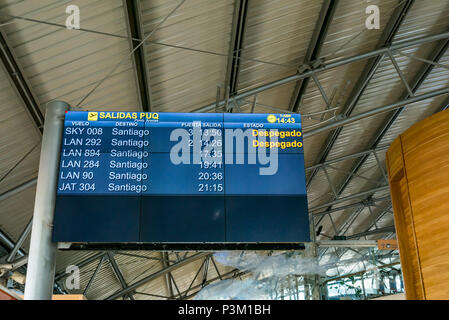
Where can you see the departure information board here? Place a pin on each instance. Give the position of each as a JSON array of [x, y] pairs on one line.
[[143, 177]]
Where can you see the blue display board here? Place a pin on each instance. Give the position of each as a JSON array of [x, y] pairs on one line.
[[128, 177]]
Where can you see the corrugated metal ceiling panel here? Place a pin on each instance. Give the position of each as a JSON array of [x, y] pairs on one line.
[[425, 17], [183, 80], [347, 36], [277, 32], [415, 112], [66, 64], [16, 212], [18, 137], [386, 87]]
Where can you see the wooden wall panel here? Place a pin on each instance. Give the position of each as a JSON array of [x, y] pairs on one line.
[[418, 167]]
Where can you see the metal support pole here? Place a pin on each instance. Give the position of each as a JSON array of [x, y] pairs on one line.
[[347, 243], [321, 89], [118, 273], [157, 274], [363, 287], [329, 181], [166, 264], [311, 280], [91, 280], [401, 75], [347, 157], [352, 205], [311, 251], [41, 261], [18, 189], [353, 196], [6, 242], [335, 64], [253, 106], [375, 111], [324, 292], [384, 174], [333, 224], [20, 242]]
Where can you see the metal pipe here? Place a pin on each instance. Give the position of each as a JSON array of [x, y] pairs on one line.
[[398, 45], [139, 58], [361, 272], [157, 274], [41, 261], [233, 275], [239, 26], [321, 89], [18, 80], [379, 164], [347, 157], [117, 270], [8, 244], [376, 111], [363, 287], [417, 82], [347, 110], [362, 258], [18, 189], [5, 241], [13, 265], [352, 196], [347, 243], [166, 263], [20, 242], [348, 222], [118, 273], [319, 35], [91, 280], [350, 206], [61, 275], [329, 181], [375, 231], [401, 75]]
